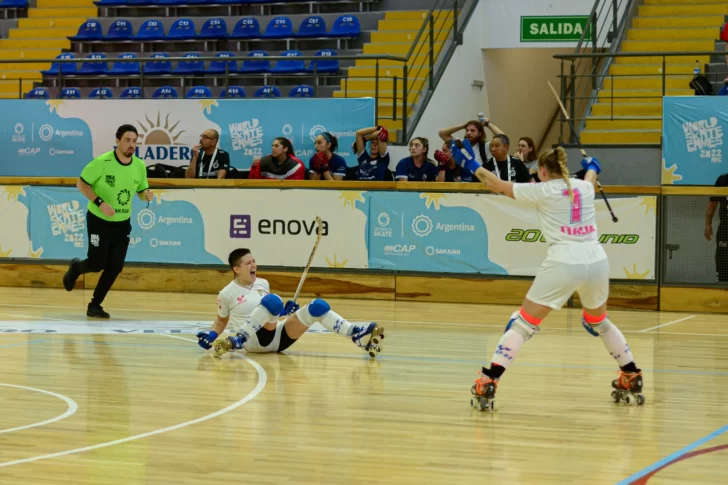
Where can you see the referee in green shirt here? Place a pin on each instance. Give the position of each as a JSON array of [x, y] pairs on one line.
[[108, 182]]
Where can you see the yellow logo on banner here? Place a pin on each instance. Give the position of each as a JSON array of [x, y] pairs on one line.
[[649, 203], [634, 274], [14, 191], [350, 197], [54, 104], [207, 104], [335, 263], [669, 176], [33, 253], [158, 134], [433, 199], [4, 254]]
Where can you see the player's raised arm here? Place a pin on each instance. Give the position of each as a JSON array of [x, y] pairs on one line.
[[465, 157], [592, 167]]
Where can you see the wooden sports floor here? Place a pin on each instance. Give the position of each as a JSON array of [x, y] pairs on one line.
[[135, 401]]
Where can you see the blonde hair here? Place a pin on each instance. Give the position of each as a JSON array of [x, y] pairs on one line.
[[555, 162]]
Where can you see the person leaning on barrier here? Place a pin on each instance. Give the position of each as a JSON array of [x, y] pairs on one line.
[[721, 236], [208, 160]]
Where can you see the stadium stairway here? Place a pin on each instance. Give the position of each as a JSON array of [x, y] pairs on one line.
[[660, 25], [394, 36], [42, 35]]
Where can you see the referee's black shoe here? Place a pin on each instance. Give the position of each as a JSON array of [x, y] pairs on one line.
[[96, 311], [69, 279]]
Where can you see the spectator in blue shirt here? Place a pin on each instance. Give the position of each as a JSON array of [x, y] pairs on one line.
[[326, 164], [417, 167], [449, 170], [373, 165]]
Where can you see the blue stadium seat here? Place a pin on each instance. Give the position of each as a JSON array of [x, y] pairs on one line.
[[120, 30], [125, 68], [328, 64], [214, 28], [159, 67], [279, 27], [13, 3], [70, 93], [346, 26], [257, 62], [246, 28], [302, 91], [37, 93], [101, 93], [110, 3], [218, 67], [151, 29], [199, 92], [182, 29], [94, 67], [90, 30], [268, 92], [193, 66], [132, 93], [67, 68], [314, 26], [165, 92], [290, 66], [233, 92]]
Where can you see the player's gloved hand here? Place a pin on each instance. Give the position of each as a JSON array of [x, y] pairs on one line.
[[320, 163], [206, 338], [443, 161], [591, 163], [464, 155], [383, 134], [291, 307]]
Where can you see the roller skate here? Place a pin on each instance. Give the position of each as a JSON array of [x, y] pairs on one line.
[[229, 344], [628, 388], [374, 344], [483, 392]]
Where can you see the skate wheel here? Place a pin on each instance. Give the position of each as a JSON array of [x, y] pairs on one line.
[[629, 400], [640, 398], [615, 396]]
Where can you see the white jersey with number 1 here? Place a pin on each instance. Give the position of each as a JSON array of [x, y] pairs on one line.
[[570, 228], [238, 302]]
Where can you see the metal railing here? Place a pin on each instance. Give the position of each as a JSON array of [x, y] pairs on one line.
[[665, 76], [603, 31], [408, 93]]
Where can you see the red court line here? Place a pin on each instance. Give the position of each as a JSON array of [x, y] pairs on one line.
[[643, 480]]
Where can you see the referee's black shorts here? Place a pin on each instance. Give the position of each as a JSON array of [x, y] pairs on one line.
[[108, 242]]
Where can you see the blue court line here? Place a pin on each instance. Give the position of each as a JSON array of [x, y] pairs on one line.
[[673, 456]]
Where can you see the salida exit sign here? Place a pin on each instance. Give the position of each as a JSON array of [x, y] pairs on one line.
[[554, 28]]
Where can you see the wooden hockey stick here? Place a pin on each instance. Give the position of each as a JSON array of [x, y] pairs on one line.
[[319, 233]]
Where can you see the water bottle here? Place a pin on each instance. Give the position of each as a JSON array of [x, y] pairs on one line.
[[696, 71], [481, 117]]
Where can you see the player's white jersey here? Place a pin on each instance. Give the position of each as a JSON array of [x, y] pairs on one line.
[[238, 302], [563, 222]]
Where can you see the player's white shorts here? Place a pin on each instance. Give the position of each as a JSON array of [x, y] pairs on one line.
[[556, 281], [253, 344]]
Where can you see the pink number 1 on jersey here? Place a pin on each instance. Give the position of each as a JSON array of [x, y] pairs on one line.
[[575, 205]]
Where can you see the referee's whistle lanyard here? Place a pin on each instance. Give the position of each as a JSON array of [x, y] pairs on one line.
[[497, 171], [212, 160]]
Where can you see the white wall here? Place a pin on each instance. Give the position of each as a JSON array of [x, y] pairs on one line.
[[501, 20], [455, 100]]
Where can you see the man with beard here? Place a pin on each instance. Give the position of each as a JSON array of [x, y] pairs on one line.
[[475, 134], [108, 182]]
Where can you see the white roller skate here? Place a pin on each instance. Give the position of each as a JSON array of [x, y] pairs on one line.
[[374, 344], [628, 388], [483, 393]]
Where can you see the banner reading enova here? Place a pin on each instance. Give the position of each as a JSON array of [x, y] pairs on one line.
[[59, 137], [402, 231], [693, 128]]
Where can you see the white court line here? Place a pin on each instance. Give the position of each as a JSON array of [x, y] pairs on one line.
[[72, 408], [31, 316], [668, 323], [262, 380]]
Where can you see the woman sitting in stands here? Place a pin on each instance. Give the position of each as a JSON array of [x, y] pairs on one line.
[[281, 164]]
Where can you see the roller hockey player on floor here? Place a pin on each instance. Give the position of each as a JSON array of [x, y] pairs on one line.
[[247, 304], [575, 261]]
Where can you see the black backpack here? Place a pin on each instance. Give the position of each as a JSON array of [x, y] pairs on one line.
[[701, 85]]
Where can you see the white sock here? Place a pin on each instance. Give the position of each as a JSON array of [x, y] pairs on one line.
[[508, 347], [615, 342], [331, 321]]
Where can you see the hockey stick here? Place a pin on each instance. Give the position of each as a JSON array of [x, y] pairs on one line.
[[581, 148], [319, 233]]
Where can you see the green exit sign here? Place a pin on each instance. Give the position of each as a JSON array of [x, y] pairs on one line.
[[567, 28]]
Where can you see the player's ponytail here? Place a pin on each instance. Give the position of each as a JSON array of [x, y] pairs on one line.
[[555, 162]]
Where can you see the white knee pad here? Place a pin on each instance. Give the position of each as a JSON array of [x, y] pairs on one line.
[[522, 327], [600, 329]]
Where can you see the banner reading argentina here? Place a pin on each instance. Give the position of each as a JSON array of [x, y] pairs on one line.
[[59, 137], [693, 128]]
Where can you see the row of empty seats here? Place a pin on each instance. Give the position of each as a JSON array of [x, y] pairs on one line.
[[346, 26], [8, 7], [164, 92], [182, 3], [257, 63]]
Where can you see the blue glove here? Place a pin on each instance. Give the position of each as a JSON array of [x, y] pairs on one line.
[[465, 156], [590, 163], [206, 338], [291, 306]]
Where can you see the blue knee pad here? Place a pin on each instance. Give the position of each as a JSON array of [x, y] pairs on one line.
[[318, 308], [589, 328], [273, 303]]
